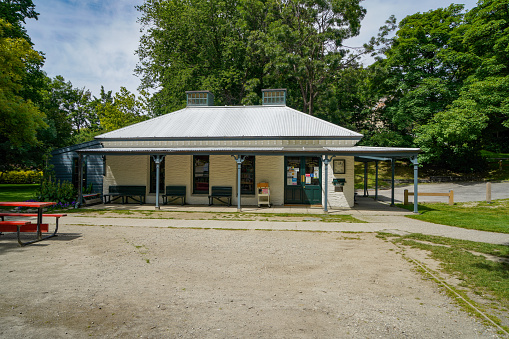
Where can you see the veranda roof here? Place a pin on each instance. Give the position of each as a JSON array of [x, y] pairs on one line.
[[376, 153]]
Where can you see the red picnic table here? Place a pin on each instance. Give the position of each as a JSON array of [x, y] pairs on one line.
[[5, 226]]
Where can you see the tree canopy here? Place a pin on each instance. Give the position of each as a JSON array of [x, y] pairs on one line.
[[445, 82], [124, 110], [20, 118], [237, 47]]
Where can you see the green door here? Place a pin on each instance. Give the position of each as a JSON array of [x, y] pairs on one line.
[[303, 180]]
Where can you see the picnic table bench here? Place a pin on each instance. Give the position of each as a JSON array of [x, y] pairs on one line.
[[19, 226], [220, 192], [175, 192], [136, 193]]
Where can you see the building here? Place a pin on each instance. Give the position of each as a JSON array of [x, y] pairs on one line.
[[64, 163], [304, 159]]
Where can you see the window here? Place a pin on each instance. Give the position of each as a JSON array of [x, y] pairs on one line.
[[200, 98], [197, 99], [201, 174], [153, 176], [274, 97], [247, 176]]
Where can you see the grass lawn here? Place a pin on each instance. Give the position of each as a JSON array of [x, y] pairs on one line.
[[481, 216], [17, 192], [469, 262], [402, 170]]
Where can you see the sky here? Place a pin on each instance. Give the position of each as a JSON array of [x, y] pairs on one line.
[[93, 42]]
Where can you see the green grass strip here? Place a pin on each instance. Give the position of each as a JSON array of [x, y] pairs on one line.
[[480, 216], [467, 261]]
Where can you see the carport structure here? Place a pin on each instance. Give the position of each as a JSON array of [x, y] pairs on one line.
[[270, 143]]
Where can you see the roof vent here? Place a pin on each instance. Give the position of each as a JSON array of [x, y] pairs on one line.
[[200, 98], [274, 97]]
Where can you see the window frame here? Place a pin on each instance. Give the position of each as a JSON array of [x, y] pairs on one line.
[[75, 172], [195, 190], [242, 172]]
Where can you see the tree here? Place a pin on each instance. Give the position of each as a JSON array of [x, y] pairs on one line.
[[15, 12], [445, 85], [75, 103], [486, 40], [19, 118], [237, 47], [422, 75], [191, 45], [478, 118], [305, 43], [60, 129], [125, 110]]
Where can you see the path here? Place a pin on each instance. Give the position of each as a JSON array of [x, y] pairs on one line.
[[378, 217]]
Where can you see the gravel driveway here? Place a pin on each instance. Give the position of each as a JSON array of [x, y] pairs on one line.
[[121, 281]]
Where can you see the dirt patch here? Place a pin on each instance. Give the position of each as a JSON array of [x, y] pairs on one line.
[[159, 282], [179, 215]]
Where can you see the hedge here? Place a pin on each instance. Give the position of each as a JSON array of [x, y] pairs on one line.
[[20, 177]]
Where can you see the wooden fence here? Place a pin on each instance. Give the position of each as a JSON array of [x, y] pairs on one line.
[[450, 195]]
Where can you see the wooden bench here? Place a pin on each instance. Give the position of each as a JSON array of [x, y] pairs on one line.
[[220, 192], [175, 192], [137, 193], [92, 198], [406, 194]]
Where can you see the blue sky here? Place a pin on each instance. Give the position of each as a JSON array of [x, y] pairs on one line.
[[92, 42]]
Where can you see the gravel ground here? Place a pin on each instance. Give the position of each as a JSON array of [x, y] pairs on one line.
[[150, 282]]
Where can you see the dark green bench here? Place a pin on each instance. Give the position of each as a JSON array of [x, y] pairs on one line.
[[136, 193], [175, 192], [220, 192]]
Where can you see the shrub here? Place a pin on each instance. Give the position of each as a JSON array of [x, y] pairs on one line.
[[20, 177], [60, 192]]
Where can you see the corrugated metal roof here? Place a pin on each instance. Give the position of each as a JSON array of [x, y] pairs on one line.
[[232, 122], [370, 149]]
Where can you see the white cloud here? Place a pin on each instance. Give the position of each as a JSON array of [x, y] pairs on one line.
[[90, 43]]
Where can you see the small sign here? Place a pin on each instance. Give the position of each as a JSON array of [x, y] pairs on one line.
[[338, 166], [308, 179]]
